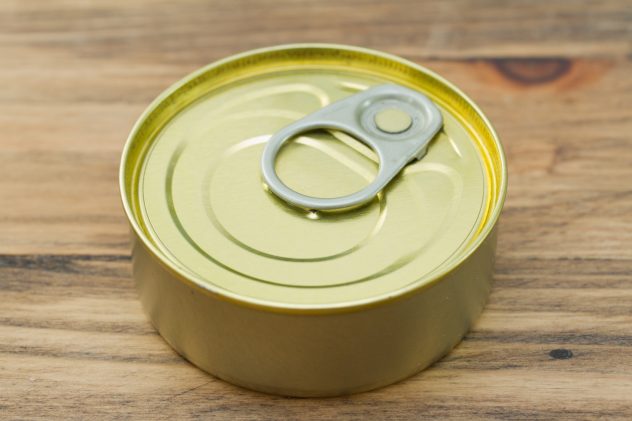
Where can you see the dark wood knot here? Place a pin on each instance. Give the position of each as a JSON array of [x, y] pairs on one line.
[[561, 354], [532, 71]]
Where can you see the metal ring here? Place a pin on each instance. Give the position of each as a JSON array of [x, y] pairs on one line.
[[308, 202]]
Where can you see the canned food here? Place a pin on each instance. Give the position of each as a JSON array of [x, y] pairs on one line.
[[313, 220]]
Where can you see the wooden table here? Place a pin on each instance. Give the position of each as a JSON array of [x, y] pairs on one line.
[[554, 77]]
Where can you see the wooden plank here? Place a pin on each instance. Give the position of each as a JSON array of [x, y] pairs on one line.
[[556, 338], [75, 341], [164, 31]]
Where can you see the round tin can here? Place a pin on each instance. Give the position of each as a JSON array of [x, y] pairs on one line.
[[299, 302]]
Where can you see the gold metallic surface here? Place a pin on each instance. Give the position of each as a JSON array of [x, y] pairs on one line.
[[310, 355], [307, 303]]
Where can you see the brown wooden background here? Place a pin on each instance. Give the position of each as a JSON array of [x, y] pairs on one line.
[[554, 76]]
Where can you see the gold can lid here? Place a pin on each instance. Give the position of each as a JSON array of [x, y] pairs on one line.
[[192, 185]]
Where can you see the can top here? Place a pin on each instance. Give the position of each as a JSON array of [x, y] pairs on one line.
[[193, 190]]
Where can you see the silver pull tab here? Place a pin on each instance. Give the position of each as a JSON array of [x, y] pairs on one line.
[[396, 122]]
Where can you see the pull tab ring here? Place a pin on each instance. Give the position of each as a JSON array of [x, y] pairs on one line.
[[396, 122]]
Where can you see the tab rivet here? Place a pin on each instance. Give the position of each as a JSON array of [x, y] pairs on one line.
[[393, 120]]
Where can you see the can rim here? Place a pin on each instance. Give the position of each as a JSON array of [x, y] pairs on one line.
[[417, 286]]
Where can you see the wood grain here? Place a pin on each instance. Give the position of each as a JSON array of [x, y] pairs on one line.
[[553, 76]]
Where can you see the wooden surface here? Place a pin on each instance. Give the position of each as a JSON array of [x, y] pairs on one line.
[[553, 76]]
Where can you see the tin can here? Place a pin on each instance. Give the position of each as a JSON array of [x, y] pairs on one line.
[[286, 300]]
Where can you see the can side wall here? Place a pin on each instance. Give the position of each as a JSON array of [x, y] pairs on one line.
[[311, 355]]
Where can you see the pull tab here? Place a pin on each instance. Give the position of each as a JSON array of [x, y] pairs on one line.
[[396, 122]]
